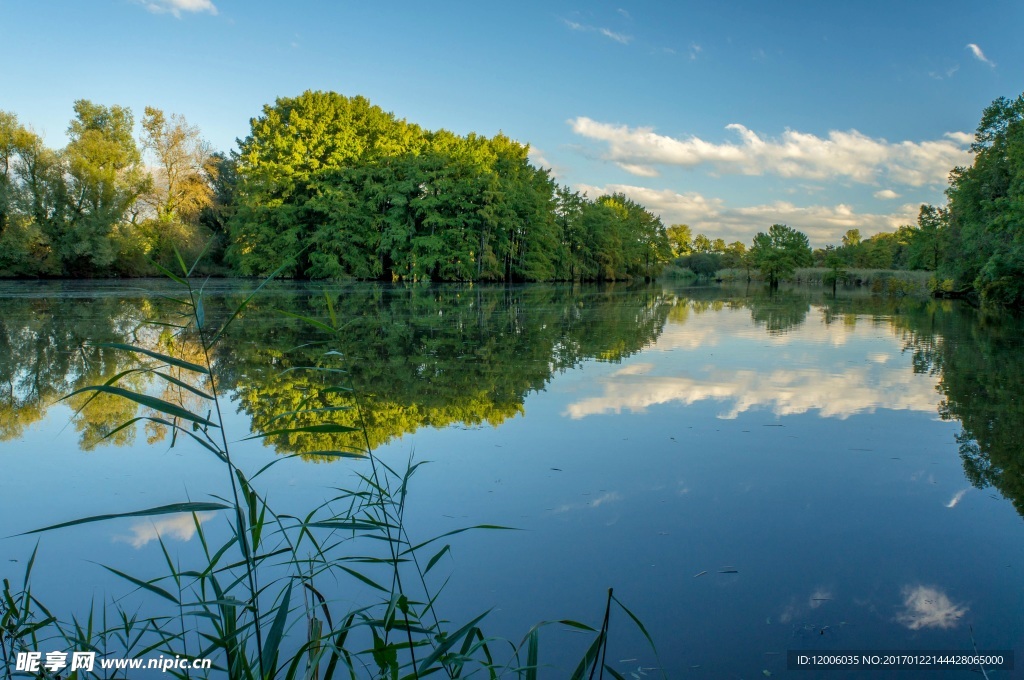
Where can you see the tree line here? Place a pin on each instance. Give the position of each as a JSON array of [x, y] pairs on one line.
[[910, 247], [326, 185], [975, 243]]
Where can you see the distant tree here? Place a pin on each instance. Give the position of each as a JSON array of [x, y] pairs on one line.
[[851, 238], [680, 239], [983, 240], [702, 244], [105, 180], [180, 190], [926, 242], [718, 245], [835, 266], [733, 254], [704, 265], [779, 252]]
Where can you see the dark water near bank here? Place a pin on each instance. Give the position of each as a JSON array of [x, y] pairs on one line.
[[751, 473]]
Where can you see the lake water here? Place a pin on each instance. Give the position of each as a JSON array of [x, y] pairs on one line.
[[752, 474]]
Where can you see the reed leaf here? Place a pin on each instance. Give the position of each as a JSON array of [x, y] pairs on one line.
[[154, 403], [156, 590], [273, 641], [167, 359], [448, 642], [192, 507]]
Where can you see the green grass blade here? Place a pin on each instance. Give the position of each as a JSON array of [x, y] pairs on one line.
[[614, 673], [448, 643], [273, 642], [532, 654], [365, 579], [200, 312], [150, 402], [313, 322], [143, 584], [161, 510], [181, 261], [589, 659], [156, 355], [433, 560], [199, 258], [184, 385], [167, 272], [457, 531], [637, 621], [322, 428], [330, 309]]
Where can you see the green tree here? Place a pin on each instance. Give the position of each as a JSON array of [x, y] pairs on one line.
[[180, 189], [105, 180], [702, 244], [779, 253], [733, 255], [836, 270], [680, 239], [983, 242], [926, 243], [704, 265]]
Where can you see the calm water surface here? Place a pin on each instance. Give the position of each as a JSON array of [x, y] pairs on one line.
[[751, 473]]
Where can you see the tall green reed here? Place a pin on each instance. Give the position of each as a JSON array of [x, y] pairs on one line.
[[256, 602]]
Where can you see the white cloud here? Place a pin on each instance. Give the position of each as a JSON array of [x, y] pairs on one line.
[[979, 55], [176, 7], [822, 223], [963, 138], [620, 38], [617, 37], [886, 194], [695, 50], [537, 158], [925, 607], [850, 154]]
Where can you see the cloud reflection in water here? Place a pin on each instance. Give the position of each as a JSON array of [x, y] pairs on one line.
[[181, 527]]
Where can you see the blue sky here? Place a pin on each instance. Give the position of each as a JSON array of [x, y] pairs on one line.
[[728, 116]]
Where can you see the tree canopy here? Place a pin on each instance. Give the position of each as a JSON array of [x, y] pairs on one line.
[[341, 188], [327, 185], [779, 252]]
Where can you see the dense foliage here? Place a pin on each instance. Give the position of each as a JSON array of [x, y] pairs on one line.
[[333, 186], [779, 252], [344, 189], [94, 208], [983, 239]]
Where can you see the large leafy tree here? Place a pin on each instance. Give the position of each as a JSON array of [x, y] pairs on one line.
[[105, 180], [984, 241], [680, 238], [181, 188], [290, 145], [780, 252], [32, 200]]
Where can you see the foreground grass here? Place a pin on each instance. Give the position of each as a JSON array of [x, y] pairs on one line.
[[258, 603]]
